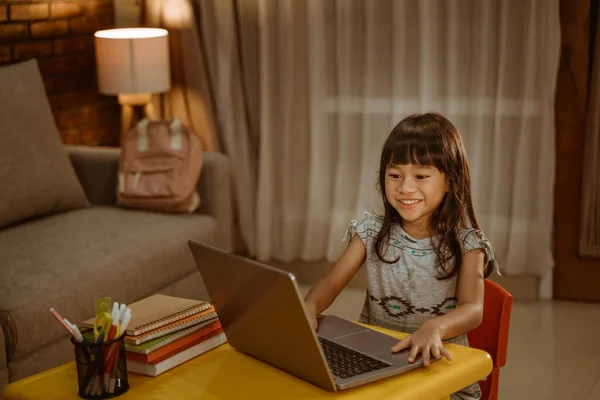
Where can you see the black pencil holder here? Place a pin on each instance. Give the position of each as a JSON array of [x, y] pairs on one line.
[[101, 368]]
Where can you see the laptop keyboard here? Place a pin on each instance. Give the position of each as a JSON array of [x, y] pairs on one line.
[[346, 363]]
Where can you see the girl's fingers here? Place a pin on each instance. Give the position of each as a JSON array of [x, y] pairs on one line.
[[435, 352], [426, 353], [414, 351], [403, 344], [445, 353]]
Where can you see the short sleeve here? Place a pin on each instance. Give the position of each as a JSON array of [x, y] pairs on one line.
[[366, 229], [472, 239]]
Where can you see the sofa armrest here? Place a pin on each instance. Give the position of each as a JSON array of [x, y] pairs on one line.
[[216, 195], [97, 169]]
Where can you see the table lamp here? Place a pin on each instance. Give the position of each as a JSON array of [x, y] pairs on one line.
[[133, 63]]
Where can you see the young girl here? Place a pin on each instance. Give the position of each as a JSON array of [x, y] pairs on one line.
[[426, 258]]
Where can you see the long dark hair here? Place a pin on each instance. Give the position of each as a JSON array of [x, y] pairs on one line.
[[431, 140]]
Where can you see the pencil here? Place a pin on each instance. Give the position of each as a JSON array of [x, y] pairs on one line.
[[62, 322]]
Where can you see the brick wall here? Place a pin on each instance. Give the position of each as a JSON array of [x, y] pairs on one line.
[[59, 33]]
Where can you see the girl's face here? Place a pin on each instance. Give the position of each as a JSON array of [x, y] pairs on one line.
[[415, 191]]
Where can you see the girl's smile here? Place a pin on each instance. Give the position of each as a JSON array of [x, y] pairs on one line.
[[409, 203]]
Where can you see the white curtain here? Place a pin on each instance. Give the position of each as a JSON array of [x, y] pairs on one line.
[[324, 81]]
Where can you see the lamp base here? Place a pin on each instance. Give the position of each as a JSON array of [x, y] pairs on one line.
[[128, 104]]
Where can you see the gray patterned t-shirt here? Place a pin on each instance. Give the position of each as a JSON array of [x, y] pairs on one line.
[[403, 295]]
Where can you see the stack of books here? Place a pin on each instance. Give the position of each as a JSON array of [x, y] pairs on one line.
[[166, 331]]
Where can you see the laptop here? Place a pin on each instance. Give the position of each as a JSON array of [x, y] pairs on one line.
[[263, 315]]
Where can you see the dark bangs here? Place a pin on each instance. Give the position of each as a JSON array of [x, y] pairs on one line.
[[417, 144]]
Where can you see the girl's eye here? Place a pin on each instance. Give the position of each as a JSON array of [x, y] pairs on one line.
[[420, 177], [394, 176]]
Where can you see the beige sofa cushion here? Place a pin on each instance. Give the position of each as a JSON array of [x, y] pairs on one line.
[[36, 176], [68, 260]]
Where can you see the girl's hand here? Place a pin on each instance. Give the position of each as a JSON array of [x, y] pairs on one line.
[[427, 341], [313, 322], [312, 315]]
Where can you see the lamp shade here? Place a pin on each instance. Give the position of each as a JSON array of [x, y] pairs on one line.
[[132, 60]]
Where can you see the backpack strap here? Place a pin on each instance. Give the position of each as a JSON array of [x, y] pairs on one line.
[[176, 134], [142, 131], [176, 128]]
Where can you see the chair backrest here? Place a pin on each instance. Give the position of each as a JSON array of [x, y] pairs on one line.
[[492, 334]]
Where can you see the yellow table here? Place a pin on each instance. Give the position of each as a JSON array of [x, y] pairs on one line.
[[225, 373]]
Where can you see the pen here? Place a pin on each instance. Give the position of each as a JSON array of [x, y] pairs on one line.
[[125, 322], [114, 326], [115, 310], [121, 313], [76, 333], [62, 322]]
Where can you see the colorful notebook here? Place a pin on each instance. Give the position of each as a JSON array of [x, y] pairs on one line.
[[156, 311], [177, 359], [196, 342], [204, 316], [202, 328], [177, 346]]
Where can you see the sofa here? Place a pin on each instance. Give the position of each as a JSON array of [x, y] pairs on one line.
[[64, 241]]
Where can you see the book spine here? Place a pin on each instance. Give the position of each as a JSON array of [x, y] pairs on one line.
[[148, 348], [187, 332], [191, 353], [153, 335], [168, 352], [168, 320], [163, 366]]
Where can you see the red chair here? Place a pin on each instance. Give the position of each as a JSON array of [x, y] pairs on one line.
[[492, 335]]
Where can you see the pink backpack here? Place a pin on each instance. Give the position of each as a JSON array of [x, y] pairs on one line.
[[159, 168]]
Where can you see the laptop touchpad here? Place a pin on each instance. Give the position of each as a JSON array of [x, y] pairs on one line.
[[333, 328], [372, 343]]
